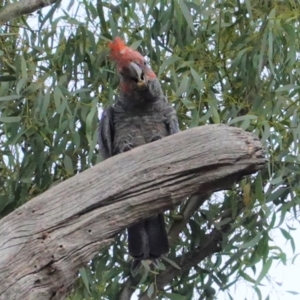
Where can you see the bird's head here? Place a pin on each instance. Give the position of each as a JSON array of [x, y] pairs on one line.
[[134, 71]]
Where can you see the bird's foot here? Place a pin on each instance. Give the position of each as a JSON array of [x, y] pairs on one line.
[[155, 138], [126, 147]]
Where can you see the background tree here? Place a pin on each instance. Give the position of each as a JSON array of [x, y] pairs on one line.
[[232, 62]]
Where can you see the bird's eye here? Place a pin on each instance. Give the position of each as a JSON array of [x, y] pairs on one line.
[[145, 63]]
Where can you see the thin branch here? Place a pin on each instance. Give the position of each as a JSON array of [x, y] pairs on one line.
[[17, 9], [211, 244]]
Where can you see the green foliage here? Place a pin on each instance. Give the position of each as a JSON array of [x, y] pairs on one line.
[[231, 62]]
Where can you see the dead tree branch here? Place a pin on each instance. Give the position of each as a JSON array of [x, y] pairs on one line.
[[44, 242], [24, 7]]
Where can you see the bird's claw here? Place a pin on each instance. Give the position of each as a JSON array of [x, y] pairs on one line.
[[155, 138], [127, 147]]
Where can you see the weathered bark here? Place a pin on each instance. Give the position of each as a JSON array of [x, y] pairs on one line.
[[17, 9], [44, 242]]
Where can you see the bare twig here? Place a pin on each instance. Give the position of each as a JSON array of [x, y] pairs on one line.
[[16, 9]]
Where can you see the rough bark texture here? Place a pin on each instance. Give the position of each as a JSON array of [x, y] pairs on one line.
[[44, 242], [17, 9]]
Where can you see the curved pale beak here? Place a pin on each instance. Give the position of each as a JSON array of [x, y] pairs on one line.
[[138, 75]]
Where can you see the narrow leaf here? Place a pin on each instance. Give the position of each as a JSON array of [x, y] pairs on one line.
[[10, 119], [251, 243], [171, 262], [187, 15], [84, 277], [171, 60], [10, 98], [265, 270]]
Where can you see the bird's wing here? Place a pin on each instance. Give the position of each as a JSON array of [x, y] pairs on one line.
[[171, 120], [106, 133]]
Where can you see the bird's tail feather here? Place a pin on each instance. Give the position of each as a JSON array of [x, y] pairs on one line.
[[148, 239]]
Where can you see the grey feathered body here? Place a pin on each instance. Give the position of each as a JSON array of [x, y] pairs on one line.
[[134, 120]]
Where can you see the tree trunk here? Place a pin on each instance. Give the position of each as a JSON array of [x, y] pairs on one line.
[[44, 242]]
